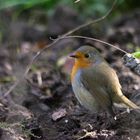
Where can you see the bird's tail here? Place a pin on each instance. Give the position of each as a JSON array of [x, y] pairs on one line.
[[129, 103]]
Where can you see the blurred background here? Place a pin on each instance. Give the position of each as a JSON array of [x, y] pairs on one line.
[[42, 106]]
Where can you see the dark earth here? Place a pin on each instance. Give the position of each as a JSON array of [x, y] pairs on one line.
[[43, 106]]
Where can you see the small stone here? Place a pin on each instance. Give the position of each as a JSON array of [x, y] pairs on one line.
[[59, 114], [129, 61], [132, 63], [137, 69]]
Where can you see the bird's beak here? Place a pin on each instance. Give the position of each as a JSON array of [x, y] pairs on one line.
[[73, 55]]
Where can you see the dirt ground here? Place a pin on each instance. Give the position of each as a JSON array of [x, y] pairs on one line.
[[43, 106]]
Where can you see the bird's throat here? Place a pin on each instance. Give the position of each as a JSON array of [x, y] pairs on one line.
[[79, 65]]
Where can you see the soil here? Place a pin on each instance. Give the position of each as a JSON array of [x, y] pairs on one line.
[[43, 106]]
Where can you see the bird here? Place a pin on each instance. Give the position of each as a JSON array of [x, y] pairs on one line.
[[95, 84]]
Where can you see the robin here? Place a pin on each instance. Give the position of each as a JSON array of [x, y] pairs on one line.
[[95, 83]]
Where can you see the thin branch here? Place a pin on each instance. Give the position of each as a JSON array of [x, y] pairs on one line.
[[97, 40], [29, 67], [91, 22], [54, 42], [77, 1]]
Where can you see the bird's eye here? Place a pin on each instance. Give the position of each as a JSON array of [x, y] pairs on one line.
[[87, 55]]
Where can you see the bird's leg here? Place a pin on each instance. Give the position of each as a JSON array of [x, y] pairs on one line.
[[111, 112], [112, 120]]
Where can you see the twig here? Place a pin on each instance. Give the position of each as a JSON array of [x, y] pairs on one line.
[[91, 22], [29, 67], [98, 40], [77, 1], [54, 42]]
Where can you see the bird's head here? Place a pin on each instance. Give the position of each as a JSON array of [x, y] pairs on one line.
[[86, 56]]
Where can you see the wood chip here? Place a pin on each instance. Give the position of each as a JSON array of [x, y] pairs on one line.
[[59, 114]]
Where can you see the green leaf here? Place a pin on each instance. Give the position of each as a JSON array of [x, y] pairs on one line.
[[28, 3], [136, 54]]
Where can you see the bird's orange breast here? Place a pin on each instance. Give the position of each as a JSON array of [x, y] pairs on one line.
[[79, 64]]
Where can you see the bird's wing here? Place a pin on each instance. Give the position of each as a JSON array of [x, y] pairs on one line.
[[102, 82]]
